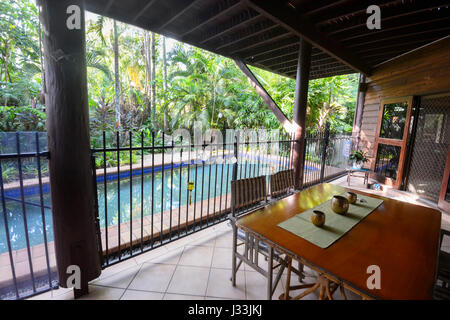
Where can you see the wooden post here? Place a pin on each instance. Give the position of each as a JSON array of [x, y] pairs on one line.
[[70, 168], [300, 104], [357, 121]]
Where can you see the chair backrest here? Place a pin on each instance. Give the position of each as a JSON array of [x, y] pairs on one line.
[[281, 182], [246, 193]]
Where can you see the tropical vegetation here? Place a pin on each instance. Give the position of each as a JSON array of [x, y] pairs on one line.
[[139, 80]]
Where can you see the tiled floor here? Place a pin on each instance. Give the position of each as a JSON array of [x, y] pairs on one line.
[[196, 267]]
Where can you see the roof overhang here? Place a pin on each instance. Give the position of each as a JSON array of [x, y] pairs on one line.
[[265, 34]]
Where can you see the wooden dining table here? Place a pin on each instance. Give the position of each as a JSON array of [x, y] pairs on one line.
[[401, 238]]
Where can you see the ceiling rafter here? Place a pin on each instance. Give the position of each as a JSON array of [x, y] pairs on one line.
[[244, 18], [394, 39], [353, 8], [249, 32], [265, 49], [389, 26], [143, 10], [433, 26], [300, 25], [396, 44], [178, 11], [269, 37], [406, 11], [221, 8]]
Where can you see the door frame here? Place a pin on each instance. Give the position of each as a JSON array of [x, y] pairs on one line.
[[442, 204], [393, 142]]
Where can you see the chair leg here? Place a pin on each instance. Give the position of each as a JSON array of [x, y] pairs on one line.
[[270, 274], [344, 297], [233, 257], [301, 269], [288, 281]]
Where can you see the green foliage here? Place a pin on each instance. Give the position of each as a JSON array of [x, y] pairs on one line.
[[111, 159], [201, 86], [358, 156], [19, 53], [24, 118]]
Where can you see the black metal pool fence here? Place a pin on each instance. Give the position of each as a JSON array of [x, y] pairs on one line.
[[152, 189]]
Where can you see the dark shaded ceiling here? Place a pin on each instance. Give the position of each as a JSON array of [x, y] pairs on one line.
[[265, 34]]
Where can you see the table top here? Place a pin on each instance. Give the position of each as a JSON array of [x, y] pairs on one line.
[[399, 237]]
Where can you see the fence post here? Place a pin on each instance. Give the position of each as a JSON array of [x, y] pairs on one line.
[[236, 154], [326, 140], [96, 216]]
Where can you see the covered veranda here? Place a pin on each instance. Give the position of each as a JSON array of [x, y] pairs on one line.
[[299, 39]]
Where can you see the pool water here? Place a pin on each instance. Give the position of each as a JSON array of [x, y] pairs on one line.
[[164, 189]]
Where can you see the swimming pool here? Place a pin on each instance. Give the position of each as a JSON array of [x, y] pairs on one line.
[[164, 188]]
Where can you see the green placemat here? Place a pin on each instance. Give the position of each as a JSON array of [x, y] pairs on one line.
[[335, 226]]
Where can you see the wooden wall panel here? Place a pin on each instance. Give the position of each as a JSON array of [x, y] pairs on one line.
[[424, 71]]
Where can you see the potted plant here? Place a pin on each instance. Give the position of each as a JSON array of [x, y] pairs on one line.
[[358, 157]]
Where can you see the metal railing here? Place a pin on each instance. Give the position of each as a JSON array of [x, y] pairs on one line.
[[151, 190], [27, 260], [326, 157]]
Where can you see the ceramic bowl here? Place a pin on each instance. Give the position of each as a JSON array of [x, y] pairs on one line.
[[339, 204]]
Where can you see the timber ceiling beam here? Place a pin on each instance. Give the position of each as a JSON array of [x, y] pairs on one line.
[[244, 18], [390, 26], [268, 37], [178, 11], [286, 123], [300, 25], [143, 10], [397, 14], [265, 50], [248, 33], [222, 8]]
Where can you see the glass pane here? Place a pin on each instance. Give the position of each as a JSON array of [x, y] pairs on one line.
[[387, 161], [393, 122]]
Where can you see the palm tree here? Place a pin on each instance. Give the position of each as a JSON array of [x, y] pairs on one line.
[[199, 88], [116, 75]]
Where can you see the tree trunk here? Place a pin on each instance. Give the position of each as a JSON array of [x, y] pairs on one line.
[[153, 79], [116, 76], [148, 74], [166, 124]]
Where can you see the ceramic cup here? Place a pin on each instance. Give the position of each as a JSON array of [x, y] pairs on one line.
[[318, 218], [351, 197]]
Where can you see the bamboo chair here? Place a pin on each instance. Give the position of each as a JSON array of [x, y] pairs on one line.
[[246, 196], [281, 183], [442, 290]]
